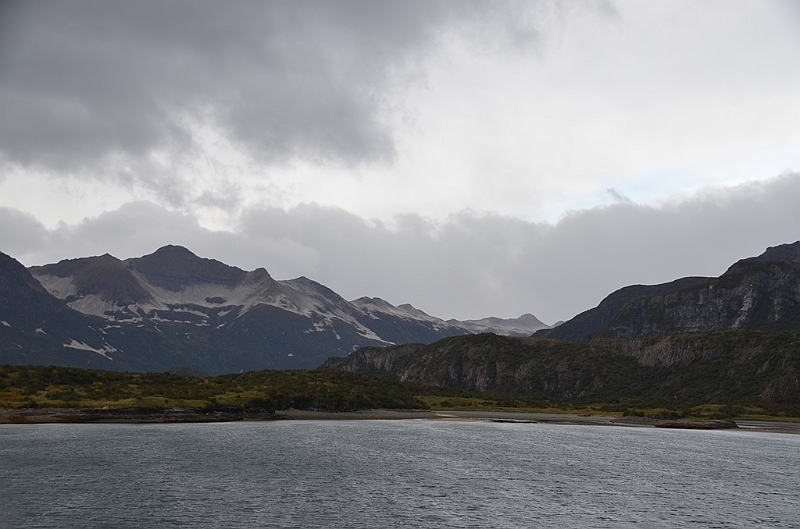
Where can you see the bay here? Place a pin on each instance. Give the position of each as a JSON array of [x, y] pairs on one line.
[[414, 473]]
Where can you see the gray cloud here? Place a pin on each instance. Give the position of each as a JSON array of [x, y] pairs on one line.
[[22, 236], [88, 83], [472, 265]]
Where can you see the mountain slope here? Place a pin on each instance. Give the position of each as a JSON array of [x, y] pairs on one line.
[[185, 309], [723, 367], [173, 308], [37, 328], [756, 293], [404, 323], [211, 315]]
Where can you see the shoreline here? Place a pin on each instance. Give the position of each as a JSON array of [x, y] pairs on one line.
[[177, 415], [147, 416], [741, 425]]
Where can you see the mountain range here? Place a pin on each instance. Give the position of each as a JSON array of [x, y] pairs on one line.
[[730, 339], [173, 308]]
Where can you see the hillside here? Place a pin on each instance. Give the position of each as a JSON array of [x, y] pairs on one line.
[[727, 367], [37, 328], [757, 293]]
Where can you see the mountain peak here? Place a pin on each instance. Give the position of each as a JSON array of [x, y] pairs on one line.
[[175, 267], [367, 301], [530, 319], [754, 293], [525, 325], [782, 252], [15, 278], [172, 251], [103, 275]]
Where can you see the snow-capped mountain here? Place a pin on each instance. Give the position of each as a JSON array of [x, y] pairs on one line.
[[525, 325], [174, 285], [221, 318], [174, 308]]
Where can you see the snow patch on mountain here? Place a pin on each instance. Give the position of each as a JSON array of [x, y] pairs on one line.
[[93, 304], [377, 307], [60, 287], [175, 287], [299, 296], [75, 344], [525, 325]]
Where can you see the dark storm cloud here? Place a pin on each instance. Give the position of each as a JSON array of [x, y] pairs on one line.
[[472, 266], [89, 81]]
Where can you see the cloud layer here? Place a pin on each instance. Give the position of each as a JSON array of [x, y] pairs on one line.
[[468, 267], [406, 149], [89, 80], [520, 108]]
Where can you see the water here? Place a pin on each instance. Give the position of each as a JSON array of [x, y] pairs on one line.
[[394, 474]]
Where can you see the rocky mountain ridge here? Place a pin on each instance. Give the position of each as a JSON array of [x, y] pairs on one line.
[[735, 338], [756, 293], [525, 325], [174, 279], [175, 308]]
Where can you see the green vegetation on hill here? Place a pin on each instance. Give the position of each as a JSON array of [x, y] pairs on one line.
[[723, 374], [62, 387], [734, 368]]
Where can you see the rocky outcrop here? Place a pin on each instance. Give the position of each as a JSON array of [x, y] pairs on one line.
[[366, 361]]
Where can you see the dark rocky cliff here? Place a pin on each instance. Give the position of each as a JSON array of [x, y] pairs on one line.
[[727, 366], [757, 293]]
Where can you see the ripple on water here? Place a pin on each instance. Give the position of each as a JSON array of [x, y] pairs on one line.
[[394, 474]]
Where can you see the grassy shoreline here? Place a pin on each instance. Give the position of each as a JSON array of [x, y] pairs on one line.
[[77, 395]]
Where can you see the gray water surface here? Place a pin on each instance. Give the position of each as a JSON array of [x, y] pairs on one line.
[[394, 474]]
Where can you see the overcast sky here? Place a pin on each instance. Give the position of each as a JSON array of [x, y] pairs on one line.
[[469, 158]]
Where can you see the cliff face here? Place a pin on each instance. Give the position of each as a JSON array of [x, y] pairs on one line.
[[730, 366], [750, 295], [757, 293]]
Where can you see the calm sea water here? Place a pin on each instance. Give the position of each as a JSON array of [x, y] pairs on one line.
[[394, 474]]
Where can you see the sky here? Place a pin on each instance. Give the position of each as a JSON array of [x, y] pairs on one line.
[[471, 158]]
